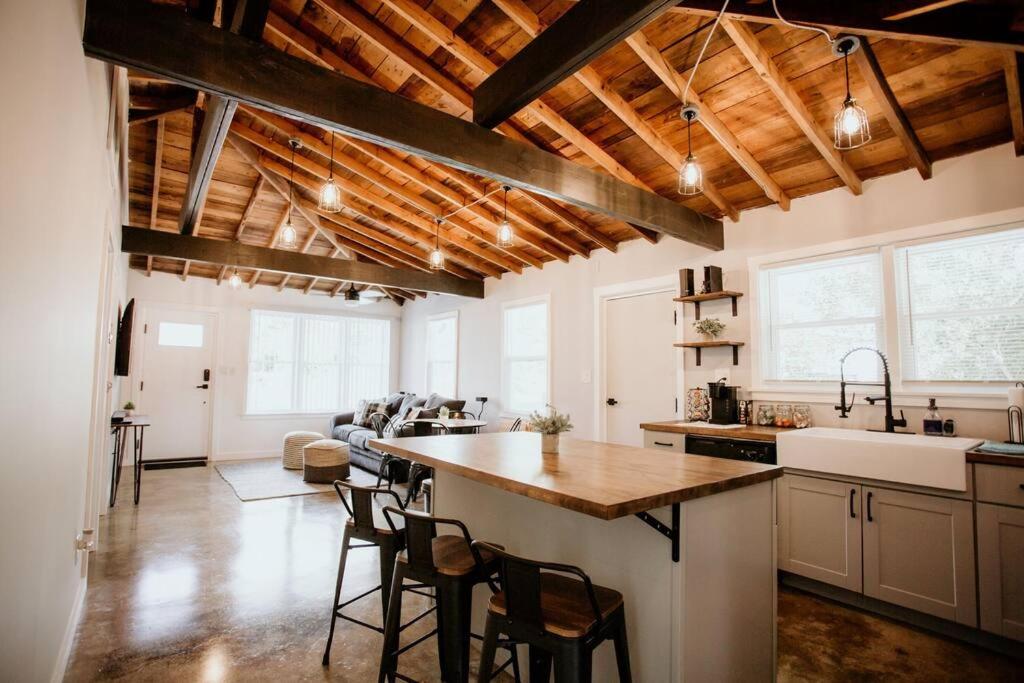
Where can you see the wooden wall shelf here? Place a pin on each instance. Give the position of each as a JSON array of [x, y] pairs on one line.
[[713, 344], [695, 299]]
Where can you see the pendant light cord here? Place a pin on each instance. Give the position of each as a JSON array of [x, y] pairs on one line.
[[291, 187], [504, 212], [811, 27], [331, 168], [700, 56], [846, 64]]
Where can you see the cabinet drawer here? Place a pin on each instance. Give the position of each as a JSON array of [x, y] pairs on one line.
[[664, 440], [997, 484]]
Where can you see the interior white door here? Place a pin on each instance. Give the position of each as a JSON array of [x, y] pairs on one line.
[[176, 385], [640, 365]]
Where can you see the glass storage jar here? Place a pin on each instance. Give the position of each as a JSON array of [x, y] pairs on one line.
[[801, 416], [766, 415], [783, 415]]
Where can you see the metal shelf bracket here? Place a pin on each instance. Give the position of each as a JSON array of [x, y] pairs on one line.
[[671, 533]]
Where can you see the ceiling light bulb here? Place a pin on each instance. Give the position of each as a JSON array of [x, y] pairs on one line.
[[235, 281], [330, 197], [849, 121], [691, 178], [505, 234], [436, 259], [288, 234]]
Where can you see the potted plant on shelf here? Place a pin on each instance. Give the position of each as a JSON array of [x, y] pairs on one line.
[[549, 426], [129, 409], [709, 327]]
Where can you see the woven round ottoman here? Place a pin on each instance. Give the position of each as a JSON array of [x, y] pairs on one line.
[[324, 461], [291, 458]]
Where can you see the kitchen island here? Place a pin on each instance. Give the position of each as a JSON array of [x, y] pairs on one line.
[[688, 540]]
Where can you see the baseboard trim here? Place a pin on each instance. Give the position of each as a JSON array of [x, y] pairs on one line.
[[64, 655], [245, 455]]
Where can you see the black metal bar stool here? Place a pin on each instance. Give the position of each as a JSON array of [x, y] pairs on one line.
[[366, 523], [560, 617], [453, 567]]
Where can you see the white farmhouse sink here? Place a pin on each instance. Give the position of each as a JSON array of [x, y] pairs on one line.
[[935, 461]]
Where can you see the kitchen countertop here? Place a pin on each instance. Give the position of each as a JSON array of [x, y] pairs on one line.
[[995, 459], [752, 432], [603, 480]]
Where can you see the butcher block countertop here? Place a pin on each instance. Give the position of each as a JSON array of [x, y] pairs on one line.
[[752, 432], [598, 479]]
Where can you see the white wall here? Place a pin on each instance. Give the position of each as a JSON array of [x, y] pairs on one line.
[[234, 434], [981, 183], [59, 206]]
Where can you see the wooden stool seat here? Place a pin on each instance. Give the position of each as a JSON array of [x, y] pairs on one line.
[[452, 555], [565, 606]]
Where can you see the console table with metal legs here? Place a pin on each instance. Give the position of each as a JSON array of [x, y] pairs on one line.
[[137, 424]]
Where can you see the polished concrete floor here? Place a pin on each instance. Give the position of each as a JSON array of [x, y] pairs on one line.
[[194, 584]]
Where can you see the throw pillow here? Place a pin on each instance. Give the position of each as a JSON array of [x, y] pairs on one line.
[[422, 414], [366, 409]]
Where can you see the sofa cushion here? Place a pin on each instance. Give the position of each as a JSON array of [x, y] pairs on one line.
[[359, 438], [423, 414], [342, 432], [394, 402], [408, 403], [366, 409], [435, 401]]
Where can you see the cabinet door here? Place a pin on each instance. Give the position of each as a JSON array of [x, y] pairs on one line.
[[1001, 569], [919, 553], [664, 441], [819, 530]]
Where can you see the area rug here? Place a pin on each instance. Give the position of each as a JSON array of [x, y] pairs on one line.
[[265, 478]]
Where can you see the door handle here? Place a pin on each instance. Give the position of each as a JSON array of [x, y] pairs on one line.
[[202, 386], [611, 402], [853, 514], [870, 518]]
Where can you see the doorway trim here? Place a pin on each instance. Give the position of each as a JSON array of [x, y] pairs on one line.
[[138, 368], [602, 295]]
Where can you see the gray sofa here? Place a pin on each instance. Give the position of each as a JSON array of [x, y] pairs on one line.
[[398, 406]]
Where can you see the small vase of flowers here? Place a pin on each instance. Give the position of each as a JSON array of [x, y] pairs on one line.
[[550, 426], [709, 327]]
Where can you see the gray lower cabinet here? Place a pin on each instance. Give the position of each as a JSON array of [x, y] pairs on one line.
[[919, 553], [820, 530], [1001, 569]]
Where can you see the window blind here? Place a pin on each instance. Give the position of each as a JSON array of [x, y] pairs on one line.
[[525, 357], [304, 363], [813, 312], [961, 308], [442, 350]]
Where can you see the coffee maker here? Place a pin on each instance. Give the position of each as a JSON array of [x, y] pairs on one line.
[[724, 404]]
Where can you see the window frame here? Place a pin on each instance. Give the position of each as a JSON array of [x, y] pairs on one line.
[[296, 381], [506, 409], [427, 361], [906, 393]]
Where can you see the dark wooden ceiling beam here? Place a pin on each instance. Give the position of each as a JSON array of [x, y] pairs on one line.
[[966, 24], [236, 254], [582, 34], [897, 10], [247, 18], [871, 71], [163, 41], [1014, 70]]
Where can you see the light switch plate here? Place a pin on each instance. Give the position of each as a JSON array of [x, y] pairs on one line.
[[586, 377]]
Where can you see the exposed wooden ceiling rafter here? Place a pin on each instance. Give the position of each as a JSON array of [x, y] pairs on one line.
[[154, 38]]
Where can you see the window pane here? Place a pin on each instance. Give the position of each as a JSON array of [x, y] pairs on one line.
[[528, 385], [441, 378], [180, 334], [365, 359], [961, 304], [442, 350], [271, 363], [321, 376], [837, 289], [814, 353], [526, 330]]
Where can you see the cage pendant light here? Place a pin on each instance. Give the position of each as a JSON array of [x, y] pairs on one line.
[[691, 177], [235, 280], [505, 233], [330, 193], [436, 257], [288, 233], [852, 129]]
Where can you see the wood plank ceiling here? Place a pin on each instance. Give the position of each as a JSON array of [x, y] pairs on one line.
[[767, 91]]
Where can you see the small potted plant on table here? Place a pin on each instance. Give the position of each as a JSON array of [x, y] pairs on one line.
[[129, 409], [549, 426]]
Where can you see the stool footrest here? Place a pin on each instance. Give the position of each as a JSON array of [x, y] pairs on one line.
[[414, 643]]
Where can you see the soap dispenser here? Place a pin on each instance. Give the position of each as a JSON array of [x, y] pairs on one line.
[[932, 420]]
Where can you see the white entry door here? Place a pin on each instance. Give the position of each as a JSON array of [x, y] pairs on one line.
[[176, 385], [640, 364]]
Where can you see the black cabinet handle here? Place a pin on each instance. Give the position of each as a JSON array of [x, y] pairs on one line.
[[870, 518], [611, 402], [662, 443], [853, 514], [1022, 487]]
